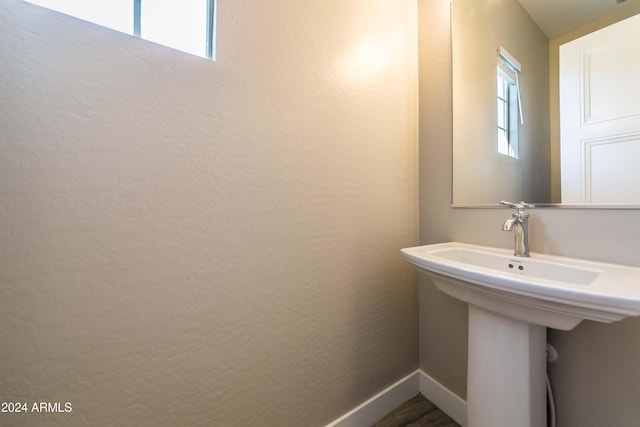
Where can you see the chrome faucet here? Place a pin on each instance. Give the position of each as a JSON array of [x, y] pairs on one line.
[[519, 224]]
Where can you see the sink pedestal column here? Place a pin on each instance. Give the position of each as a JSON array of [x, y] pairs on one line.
[[506, 383]]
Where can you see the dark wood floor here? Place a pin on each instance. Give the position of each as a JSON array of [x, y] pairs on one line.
[[416, 412]]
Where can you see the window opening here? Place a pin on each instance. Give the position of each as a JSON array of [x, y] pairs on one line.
[[186, 25], [509, 112]]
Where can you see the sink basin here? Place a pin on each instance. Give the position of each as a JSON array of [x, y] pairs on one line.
[[552, 291], [511, 302]]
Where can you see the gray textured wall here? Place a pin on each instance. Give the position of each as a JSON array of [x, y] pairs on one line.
[[597, 379], [186, 242]]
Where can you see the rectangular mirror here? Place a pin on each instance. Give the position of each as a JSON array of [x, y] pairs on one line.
[[509, 142]]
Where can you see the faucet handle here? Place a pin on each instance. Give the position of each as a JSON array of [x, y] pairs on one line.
[[519, 206]]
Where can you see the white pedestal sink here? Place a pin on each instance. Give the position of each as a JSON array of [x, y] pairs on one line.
[[511, 302]]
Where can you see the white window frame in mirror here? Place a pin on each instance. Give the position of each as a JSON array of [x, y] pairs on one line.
[[507, 123]]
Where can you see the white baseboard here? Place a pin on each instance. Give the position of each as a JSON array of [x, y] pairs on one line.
[[387, 400], [381, 404], [448, 402]]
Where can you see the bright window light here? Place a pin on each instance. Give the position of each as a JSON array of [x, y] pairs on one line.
[[507, 114], [114, 14], [186, 25], [171, 23]]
